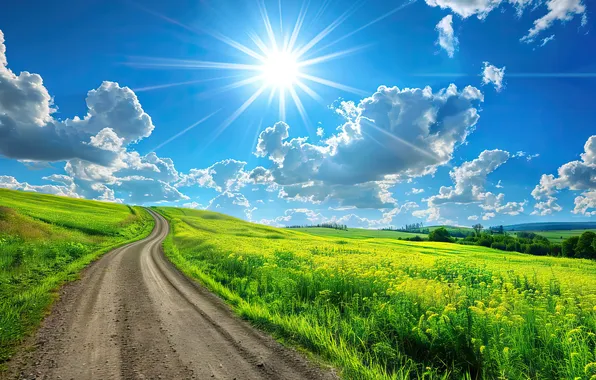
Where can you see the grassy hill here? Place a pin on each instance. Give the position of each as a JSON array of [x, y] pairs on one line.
[[389, 309], [559, 236], [357, 233], [46, 240], [551, 226]]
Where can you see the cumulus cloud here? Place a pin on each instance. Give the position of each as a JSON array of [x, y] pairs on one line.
[[579, 175], [226, 175], [305, 216], [488, 216], [395, 134], [417, 191], [230, 203], [494, 75], [473, 217], [29, 131], [469, 188], [447, 40], [558, 10]]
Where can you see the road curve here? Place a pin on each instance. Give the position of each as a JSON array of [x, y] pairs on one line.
[[134, 316]]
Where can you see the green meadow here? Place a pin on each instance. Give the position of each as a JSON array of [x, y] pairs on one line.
[[45, 241], [559, 236], [380, 308]]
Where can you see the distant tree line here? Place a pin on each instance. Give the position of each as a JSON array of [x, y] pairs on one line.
[[583, 246], [335, 226], [412, 228]]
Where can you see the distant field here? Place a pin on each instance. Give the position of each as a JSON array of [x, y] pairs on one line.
[[559, 236], [357, 233], [390, 309], [46, 240]]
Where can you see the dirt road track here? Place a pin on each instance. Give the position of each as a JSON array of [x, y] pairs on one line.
[[134, 316]]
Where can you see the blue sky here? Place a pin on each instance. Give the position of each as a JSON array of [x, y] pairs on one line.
[[434, 111]]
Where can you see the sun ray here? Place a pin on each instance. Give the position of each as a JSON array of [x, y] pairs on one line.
[[512, 75], [331, 56], [271, 95], [400, 140], [329, 83], [193, 125], [344, 16], [380, 18], [297, 26], [231, 86], [168, 85], [310, 92], [320, 12], [267, 22], [226, 123], [301, 109], [278, 59], [259, 42], [238, 46], [190, 64], [254, 143], [282, 104]]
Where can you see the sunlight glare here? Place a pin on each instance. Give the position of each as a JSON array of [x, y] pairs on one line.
[[280, 69]]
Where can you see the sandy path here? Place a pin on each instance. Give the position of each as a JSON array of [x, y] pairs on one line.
[[134, 316]]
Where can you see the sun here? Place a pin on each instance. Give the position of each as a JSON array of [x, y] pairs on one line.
[[280, 69]]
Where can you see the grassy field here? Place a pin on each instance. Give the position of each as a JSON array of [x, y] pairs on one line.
[[46, 240], [391, 309], [357, 233], [559, 236]]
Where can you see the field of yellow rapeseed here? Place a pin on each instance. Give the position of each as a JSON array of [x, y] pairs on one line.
[[390, 309]]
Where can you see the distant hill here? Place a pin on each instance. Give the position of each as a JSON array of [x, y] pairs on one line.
[[551, 226]]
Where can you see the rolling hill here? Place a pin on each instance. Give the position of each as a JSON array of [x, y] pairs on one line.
[[46, 240]]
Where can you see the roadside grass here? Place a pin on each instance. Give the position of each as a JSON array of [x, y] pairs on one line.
[[45, 241], [391, 309]]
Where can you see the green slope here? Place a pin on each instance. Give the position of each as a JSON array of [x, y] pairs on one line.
[[559, 236], [46, 240], [382, 308]]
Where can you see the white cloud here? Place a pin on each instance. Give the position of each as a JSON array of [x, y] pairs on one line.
[[558, 10], [585, 202], [499, 185], [29, 131], [226, 175], [479, 8], [494, 75], [579, 175], [470, 179], [447, 40], [234, 204], [417, 191], [546, 40], [473, 217], [393, 135], [469, 188], [305, 216], [194, 205], [488, 216], [320, 131]]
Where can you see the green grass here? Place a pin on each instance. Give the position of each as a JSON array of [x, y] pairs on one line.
[[559, 236], [357, 233], [390, 309], [45, 241]]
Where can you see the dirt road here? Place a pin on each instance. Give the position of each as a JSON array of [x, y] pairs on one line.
[[134, 316]]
